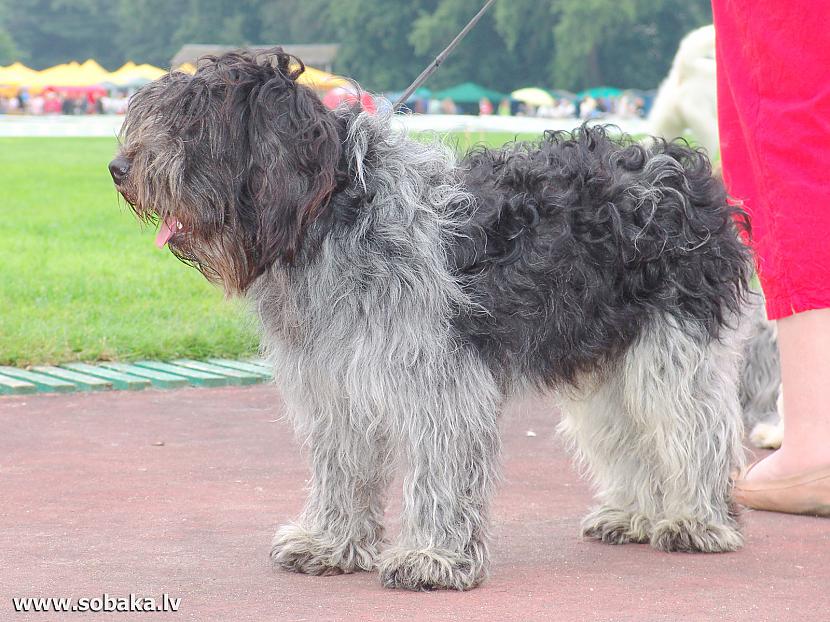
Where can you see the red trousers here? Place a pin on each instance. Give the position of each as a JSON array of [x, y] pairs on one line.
[[773, 60]]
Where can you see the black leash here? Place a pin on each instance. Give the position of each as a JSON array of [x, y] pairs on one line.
[[426, 73]]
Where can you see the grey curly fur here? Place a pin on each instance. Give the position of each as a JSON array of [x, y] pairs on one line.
[[404, 296], [760, 372], [656, 437]]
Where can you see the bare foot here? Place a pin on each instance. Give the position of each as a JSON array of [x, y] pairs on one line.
[[804, 341]]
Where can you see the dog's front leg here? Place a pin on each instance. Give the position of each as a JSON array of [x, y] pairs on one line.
[[452, 452], [340, 529]]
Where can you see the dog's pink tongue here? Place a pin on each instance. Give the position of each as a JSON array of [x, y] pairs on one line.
[[166, 231]]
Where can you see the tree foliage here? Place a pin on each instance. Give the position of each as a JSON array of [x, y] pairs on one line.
[[48, 32], [146, 30], [8, 50], [384, 43], [373, 39]]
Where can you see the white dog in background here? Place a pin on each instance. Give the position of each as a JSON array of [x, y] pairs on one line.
[[687, 98], [761, 381], [770, 434]]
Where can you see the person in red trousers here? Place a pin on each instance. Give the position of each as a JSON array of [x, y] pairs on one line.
[[773, 64]]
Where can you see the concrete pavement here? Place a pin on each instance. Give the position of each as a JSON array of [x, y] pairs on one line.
[[179, 492]]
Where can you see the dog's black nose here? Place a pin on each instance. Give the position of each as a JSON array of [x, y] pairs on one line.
[[119, 168]]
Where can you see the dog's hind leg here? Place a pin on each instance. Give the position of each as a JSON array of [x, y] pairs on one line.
[[340, 530], [451, 434], [681, 389], [606, 443]]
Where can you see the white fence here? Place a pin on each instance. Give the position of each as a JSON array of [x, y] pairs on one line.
[[108, 125]]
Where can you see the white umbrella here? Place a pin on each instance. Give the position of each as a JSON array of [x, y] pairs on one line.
[[533, 96]]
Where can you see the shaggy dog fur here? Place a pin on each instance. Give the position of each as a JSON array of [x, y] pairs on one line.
[[687, 98], [404, 296], [760, 389]]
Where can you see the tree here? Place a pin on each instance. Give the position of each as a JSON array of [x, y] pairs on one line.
[[650, 43], [48, 32], [296, 21], [8, 50], [146, 29], [374, 41], [581, 28], [219, 21], [624, 43], [482, 56], [526, 26]]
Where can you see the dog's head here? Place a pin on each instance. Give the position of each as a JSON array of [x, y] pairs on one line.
[[234, 162]]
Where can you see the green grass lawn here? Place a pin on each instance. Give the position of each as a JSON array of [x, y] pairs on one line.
[[80, 279]]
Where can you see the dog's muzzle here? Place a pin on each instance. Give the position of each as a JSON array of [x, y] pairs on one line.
[[119, 168]]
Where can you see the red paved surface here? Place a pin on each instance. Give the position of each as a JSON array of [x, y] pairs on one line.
[[92, 502]]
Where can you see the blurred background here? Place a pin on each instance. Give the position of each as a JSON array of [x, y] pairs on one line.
[[384, 44]]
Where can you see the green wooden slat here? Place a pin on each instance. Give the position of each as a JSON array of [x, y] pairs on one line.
[[82, 381], [81, 376], [262, 364], [235, 376], [258, 361], [118, 379], [13, 386], [242, 366], [158, 378], [43, 383], [199, 378]]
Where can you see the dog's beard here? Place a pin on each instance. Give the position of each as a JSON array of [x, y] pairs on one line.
[[203, 239], [222, 258]]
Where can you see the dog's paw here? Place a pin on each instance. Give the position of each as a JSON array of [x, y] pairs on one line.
[[312, 552], [614, 526], [767, 435], [433, 568], [691, 535]]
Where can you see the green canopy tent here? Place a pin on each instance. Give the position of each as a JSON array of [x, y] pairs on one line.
[[420, 93], [598, 92], [470, 93]]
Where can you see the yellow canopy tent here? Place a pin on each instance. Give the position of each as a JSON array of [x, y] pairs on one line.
[[72, 73], [151, 72], [16, 73], [13, 77], [123, 73], [322, 80], [130, 72]]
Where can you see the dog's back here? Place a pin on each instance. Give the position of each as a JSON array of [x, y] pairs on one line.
[[579, 239]]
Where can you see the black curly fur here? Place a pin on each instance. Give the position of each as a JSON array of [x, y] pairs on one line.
[[577, 242]]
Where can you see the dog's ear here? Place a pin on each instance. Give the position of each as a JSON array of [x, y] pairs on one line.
[[294, 153]]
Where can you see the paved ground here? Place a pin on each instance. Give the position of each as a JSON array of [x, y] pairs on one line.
[[179, 492]]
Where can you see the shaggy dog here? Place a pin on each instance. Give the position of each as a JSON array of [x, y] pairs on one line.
[[687, 98], [404, 296], [760, 389]]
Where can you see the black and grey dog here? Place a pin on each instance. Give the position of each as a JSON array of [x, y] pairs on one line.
[[404, 297]]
